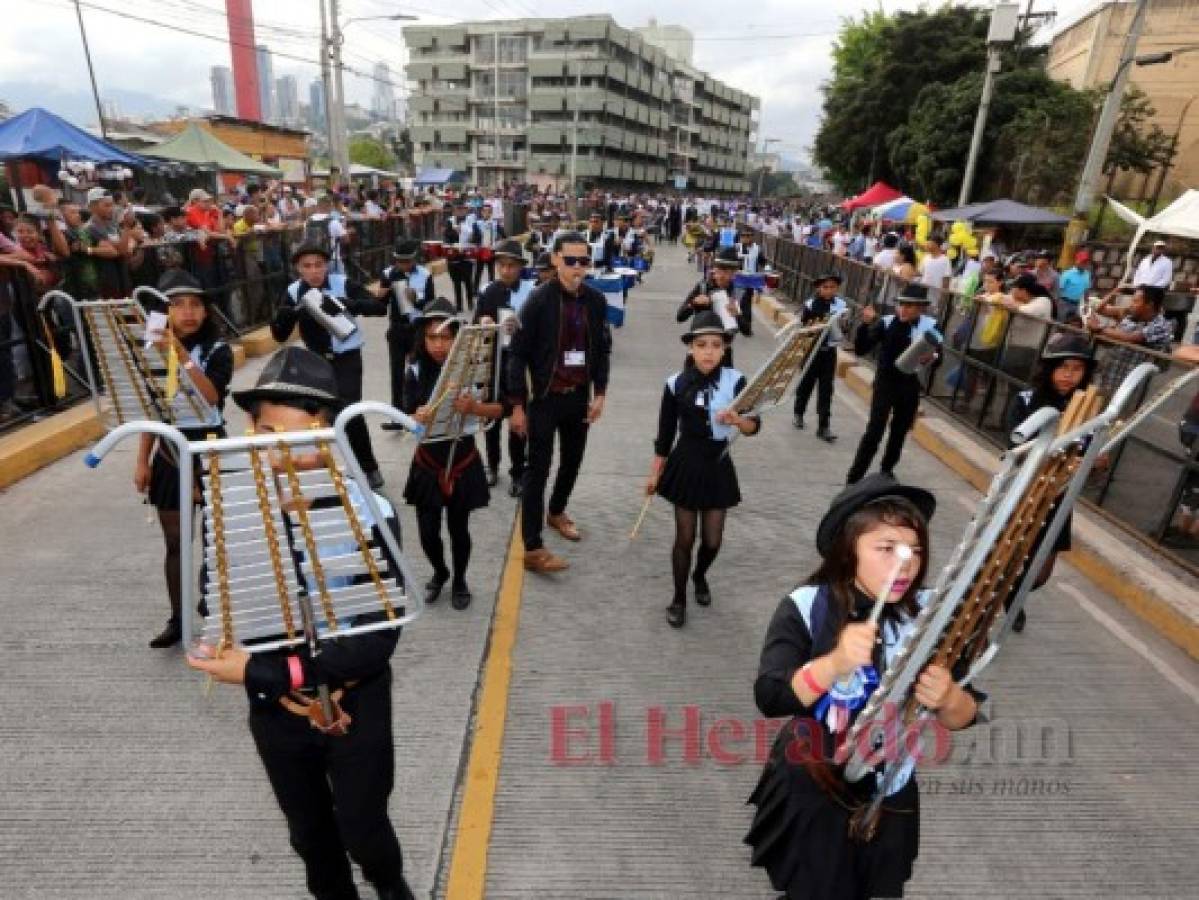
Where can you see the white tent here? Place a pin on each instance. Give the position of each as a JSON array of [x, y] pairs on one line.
[[1179, 219]]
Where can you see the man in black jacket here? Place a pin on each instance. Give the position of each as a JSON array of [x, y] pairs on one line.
[[341, 302], [557, 378]]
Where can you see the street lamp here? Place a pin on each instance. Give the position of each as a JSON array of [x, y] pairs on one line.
[[339, 147], [766, 142]]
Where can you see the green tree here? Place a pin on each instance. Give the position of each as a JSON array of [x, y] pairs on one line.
[[774, 184], [1138, 145], [367, 151], [881, 63]]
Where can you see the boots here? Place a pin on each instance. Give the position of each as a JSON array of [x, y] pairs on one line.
[[169, 636], [676, 613]]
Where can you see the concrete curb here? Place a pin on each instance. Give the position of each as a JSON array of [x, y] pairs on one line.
[[42, 443], [1164, 602]]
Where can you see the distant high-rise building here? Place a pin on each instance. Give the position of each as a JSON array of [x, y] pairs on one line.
[[287, 94], [316, 105], [223, 98], [383, 100], [110, 110], [266, 85]]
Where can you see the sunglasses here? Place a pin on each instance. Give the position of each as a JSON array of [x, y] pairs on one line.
[[577, 262]]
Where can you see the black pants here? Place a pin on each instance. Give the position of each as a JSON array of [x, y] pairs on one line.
[[478, 276], [895, 398], [463, 276], [746, 320], [348, 369], [399, 345], [566, 416], [820, 375], [516, 451], [334, 790]]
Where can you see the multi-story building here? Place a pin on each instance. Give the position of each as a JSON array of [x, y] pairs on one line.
[[540, 100], [316, 105], [266, 85], [287, 95], [223, 96], [1086, 53], [383, 98]]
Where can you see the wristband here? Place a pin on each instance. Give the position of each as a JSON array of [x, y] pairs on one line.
[[296, 671], [808, 678]]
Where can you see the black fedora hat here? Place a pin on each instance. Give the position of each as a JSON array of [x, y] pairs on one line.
[[1068, 346], [405, 248], [827, 276], [868, 490], [706, 322], [510, 250], [913, 293], [293, 375], [727, 259], [543, 262], [175, 282], [439, 310], [309, 250]]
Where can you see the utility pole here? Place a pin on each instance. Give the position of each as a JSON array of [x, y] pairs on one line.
[[338, 107], [1101, 140], [87, 54], [1001, 32], [327, 84]]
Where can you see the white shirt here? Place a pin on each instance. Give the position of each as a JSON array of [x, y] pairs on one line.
[[1157, 272], [1026, 333], [934, 271], [885, 258], [840, 242]]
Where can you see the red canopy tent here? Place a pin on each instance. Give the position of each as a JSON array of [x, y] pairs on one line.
[[879, 192]]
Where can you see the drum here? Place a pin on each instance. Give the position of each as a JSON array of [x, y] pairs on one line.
[[470, 252], [627, 275], [451, 251], [641, 265], [753, 280], [484, 254], [772, 281], [432, 249], [612, 287]]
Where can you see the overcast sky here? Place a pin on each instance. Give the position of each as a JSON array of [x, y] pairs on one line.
[[776, 49]]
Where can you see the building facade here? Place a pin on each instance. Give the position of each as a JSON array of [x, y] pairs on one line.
[[317, 116], [223, 97], [287, 95], [1087, 52], [266, 85], [542, 100], [383, 102]]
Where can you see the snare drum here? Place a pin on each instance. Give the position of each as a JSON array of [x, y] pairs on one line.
[[451, 251], [470, 252], [772, 281], [628, 275], [753, 280], [432, 249], [484, 254]]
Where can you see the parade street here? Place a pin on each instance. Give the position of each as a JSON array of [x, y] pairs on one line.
[[557, 739]]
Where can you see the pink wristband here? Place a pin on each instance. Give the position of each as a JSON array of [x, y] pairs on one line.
[[296, 671], [808, 678]]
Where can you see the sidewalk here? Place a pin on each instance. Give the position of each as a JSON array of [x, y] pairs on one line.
[[630, 828]]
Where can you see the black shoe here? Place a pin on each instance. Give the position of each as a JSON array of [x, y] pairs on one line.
[[493, 478], [517, 487], [397, 892], [202, 608], [703, 594], [169, 636], [825, 435], [676, 614], [890, 473], [1021, 621], [798, 422], [375, 480], [392, 426], [433, 588], [460, 597]]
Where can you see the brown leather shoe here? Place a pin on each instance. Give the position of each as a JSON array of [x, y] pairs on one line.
[[542, 561], [565, 526]]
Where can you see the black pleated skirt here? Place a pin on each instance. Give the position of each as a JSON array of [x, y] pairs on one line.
[[164, 475], [800, 836], [468, 488], [699, 475]]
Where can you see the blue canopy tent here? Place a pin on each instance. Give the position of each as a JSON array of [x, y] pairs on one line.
[[1000, 212], [40, 135]]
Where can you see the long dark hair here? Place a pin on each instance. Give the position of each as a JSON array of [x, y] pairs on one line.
[[1043, 391], [419, 352], [209, 331], [839, 568]]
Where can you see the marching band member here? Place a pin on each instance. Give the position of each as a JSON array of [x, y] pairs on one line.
[[348, 300], [601, 241], [485, 233], [699, 299], [896, 395], [499, 303], [696, 474], [628, 242], [545, 269], [208, 361], [752, 260], [1067, 365], [821, 659], [332, 785], [457, 235], [430, 487], [822, 373], [403, 271]]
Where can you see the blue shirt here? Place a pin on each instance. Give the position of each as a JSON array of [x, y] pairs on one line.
[[1074, 284]]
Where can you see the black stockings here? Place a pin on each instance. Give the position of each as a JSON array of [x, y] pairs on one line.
[[429, 523], [169, 519], [711, 526]]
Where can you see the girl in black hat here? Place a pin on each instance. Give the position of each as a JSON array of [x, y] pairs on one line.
[[431, 488], [1067, 366], [208, 362], [696, 474], [718, 282], [821, 636]]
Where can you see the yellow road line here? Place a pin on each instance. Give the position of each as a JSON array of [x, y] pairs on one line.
[[468, 863]]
